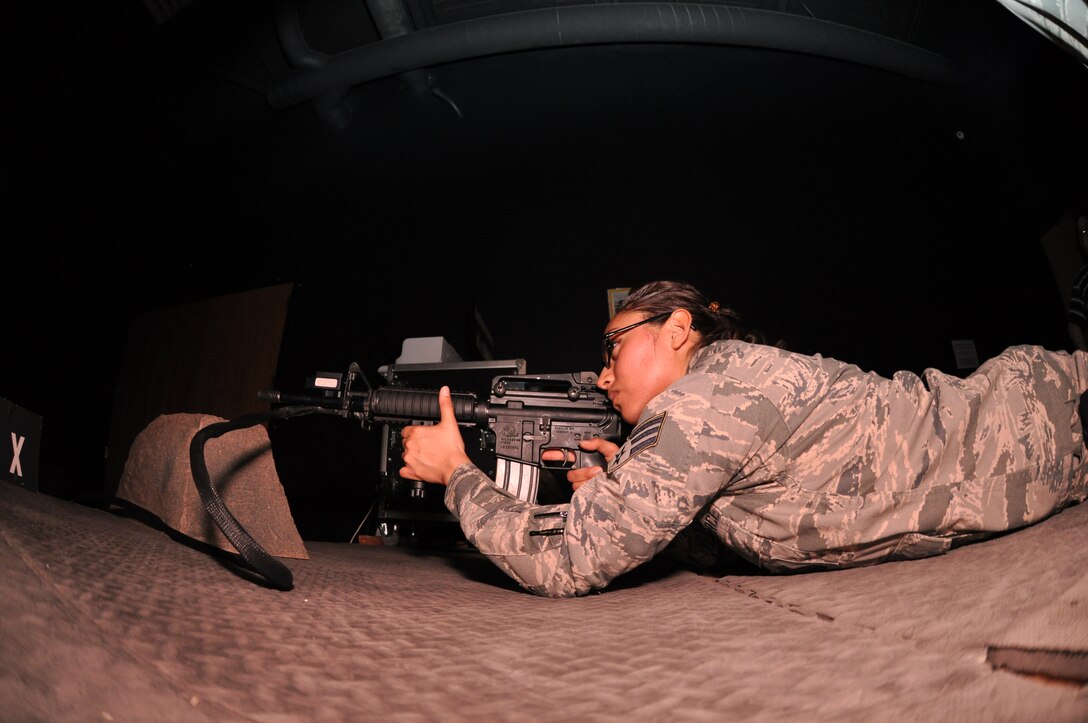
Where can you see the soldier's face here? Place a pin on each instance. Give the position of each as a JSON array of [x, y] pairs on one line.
[[643, 365]]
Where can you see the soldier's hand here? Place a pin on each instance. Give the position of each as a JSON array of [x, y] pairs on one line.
[[433, 452], [580, 475]]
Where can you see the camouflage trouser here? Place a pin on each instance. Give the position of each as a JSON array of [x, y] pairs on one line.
[[1025, 463]]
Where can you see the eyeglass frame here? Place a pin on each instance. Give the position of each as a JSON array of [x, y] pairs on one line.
[[608, 345]]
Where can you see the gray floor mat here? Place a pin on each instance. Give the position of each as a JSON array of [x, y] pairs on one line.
[[105, 618]]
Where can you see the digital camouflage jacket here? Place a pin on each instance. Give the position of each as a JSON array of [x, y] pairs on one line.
[[804, 462]]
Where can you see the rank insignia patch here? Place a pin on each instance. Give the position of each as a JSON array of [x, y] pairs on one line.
[[642, 438]]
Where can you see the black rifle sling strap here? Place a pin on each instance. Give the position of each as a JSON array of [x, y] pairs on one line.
[[258, 559], [1082, 410]]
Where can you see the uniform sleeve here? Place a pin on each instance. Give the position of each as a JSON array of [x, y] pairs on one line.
[[674, 462]]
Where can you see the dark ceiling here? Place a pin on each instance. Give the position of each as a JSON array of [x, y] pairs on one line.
[[859, 176], [575, 130], [237, 144]]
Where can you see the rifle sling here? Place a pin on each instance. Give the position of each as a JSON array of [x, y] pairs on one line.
[[256, 557]]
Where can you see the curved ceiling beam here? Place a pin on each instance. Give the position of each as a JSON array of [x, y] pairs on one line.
[[580, 25]]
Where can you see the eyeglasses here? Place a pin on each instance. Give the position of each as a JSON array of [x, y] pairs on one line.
[[608, 341]]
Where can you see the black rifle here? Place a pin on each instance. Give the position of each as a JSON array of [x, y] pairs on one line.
[[524, 417]]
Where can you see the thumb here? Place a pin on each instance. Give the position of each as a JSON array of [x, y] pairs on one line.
[[445, 407]]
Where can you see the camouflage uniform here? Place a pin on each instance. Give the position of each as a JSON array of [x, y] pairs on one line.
[[804, 462]]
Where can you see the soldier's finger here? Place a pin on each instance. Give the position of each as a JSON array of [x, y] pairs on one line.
[[445, 407]]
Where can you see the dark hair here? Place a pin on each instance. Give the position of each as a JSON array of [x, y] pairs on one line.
[[713, 321]]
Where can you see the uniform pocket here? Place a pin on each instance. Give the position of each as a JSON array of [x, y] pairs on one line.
[[522, 533]]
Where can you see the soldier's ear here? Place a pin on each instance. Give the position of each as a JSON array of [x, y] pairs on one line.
[[678, 326]]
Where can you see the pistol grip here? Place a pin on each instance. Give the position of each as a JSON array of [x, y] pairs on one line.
[[591, 459]]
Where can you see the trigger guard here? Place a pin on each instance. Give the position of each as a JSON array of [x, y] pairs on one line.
[[564, 464]]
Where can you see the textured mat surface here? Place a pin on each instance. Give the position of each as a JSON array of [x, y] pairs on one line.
[[964, 601], [105, 618]]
